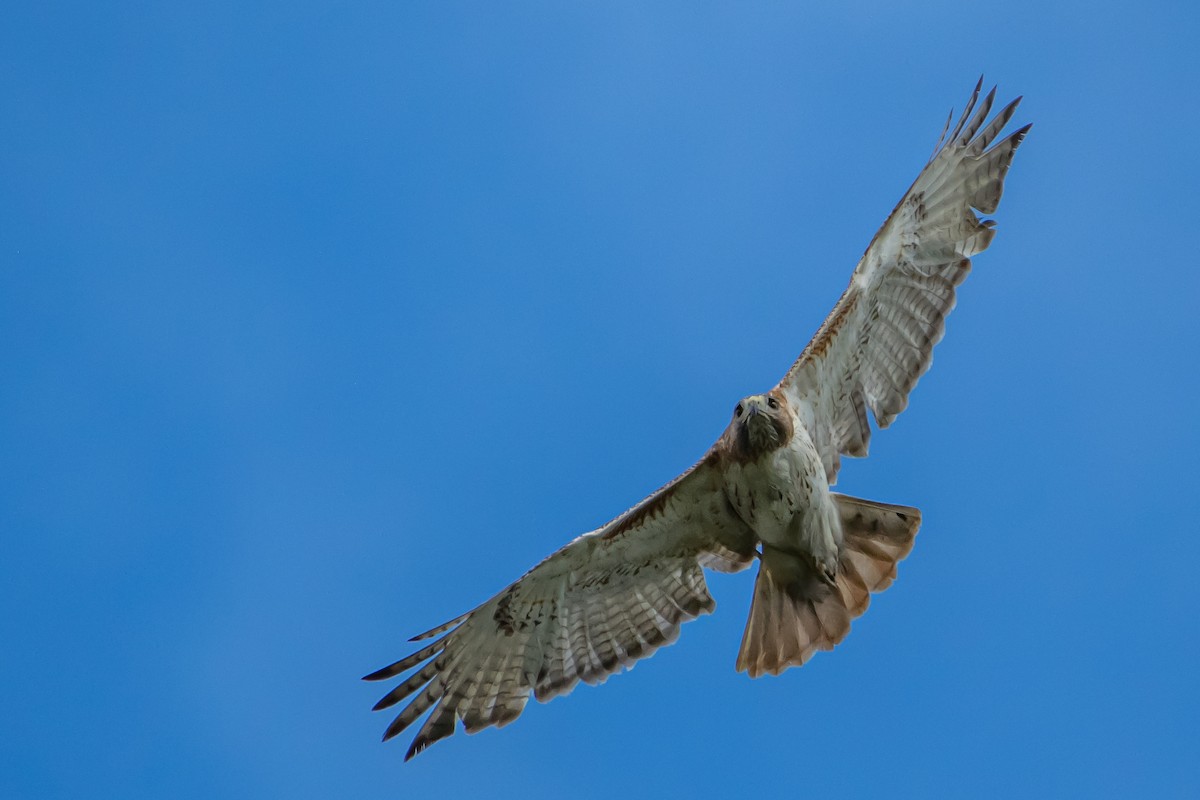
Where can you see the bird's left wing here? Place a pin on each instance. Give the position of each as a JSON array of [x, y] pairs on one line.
[[596, 606], [879, 338]]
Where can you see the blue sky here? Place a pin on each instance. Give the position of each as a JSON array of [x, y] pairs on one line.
[[323, 322]]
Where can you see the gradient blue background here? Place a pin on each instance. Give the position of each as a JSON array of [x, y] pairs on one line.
[[323, 322]]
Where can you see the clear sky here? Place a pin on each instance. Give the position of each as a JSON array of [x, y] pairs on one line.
[[322, 322]]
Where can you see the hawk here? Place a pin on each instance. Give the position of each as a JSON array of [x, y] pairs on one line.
[[618, 593]]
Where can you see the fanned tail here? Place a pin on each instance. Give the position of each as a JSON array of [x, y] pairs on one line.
[[796, 611]]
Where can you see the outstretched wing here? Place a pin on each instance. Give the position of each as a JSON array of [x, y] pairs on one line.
[[878, 341], [596, 606]]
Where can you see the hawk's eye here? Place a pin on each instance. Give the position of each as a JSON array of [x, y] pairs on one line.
[[772, 402], [737, 412]]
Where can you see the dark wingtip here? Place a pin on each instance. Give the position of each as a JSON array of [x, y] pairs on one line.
[[394, 729], [418, 744], [379, 674]]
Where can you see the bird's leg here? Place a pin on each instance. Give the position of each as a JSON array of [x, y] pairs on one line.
[[826, 569]]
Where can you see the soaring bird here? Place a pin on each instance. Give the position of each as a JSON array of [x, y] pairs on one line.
[[761, 492]]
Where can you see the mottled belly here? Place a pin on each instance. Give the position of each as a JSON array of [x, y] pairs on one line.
[[785, 500], [772, 498]]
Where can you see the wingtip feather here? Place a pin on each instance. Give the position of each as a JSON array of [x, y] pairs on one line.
[[966, 113]]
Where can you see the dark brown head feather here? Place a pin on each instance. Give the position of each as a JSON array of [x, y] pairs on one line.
[[760, 424]]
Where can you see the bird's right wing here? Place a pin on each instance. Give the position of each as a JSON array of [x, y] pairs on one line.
[[596, 606]]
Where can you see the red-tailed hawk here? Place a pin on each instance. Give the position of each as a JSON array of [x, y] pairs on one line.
[[620, 592]]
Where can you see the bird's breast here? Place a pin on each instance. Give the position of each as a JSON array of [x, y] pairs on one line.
[[770, 493]]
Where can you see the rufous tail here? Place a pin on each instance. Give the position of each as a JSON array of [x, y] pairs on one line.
[[796, 610]]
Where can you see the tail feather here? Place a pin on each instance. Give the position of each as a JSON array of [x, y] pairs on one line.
[[796, 611]]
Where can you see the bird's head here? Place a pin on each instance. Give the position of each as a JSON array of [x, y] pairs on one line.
[[761, 423]]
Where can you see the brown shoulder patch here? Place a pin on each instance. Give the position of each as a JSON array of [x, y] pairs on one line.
[[653, 505]]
